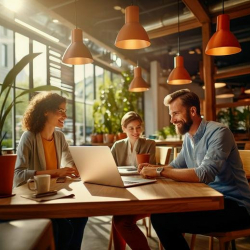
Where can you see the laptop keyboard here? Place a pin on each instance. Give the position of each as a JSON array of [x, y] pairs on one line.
[[130, 182]]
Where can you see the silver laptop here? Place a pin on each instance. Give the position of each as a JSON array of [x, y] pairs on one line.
[[96, 165]]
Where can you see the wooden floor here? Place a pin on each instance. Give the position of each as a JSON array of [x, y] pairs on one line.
[[96, 237]]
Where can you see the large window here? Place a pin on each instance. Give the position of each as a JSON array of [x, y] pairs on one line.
[[22, 81], [4, 55], [81, 82], [99, 79], [89, 82], [21, 50], [40, 65], [79, 104], [6, 63]]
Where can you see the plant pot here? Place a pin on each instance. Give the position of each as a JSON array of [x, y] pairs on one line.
[[99, 138], [93, 138], [7, 166], [121, 136], [108, 138]]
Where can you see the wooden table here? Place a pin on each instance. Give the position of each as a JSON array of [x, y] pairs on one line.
[[93, 200]]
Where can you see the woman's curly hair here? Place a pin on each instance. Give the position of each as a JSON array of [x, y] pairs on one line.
[[34, 118]]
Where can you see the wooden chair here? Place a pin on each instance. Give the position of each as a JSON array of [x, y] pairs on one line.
[[245, 157], [225, 237], [36, 234], [247, 146], [162, 155]]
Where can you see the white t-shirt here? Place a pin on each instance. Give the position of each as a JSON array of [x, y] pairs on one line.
[[131, 155]]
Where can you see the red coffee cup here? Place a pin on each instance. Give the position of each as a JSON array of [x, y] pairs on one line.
[[142, 158]]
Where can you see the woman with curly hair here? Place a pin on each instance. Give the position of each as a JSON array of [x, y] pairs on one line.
[[43, 150]]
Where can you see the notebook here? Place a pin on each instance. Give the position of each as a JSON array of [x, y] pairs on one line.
[[128, 170], [96, 165]]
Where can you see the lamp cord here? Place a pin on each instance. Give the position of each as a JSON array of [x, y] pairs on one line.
[[222, 6], [75, 15], [178, 31]]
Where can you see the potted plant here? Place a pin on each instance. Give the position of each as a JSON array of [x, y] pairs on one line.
[[115, 101], [109, 127], [7, 162]]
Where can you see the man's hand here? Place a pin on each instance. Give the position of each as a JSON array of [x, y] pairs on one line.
[[147, 171]]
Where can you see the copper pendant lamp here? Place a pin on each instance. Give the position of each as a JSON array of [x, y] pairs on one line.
[[223, 42], [138, 84], [179, 74], [132, 35], [77, 52]]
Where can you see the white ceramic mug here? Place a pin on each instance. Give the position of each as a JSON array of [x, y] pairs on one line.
[[42, 183]]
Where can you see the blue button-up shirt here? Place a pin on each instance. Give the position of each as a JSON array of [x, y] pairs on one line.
[[213, 153]]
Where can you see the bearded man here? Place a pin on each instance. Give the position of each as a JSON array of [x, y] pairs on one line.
[[209, 155]]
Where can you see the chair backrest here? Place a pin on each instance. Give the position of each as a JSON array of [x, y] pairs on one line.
[[162, 155], [247, 146], [35, 234], [245, 157]]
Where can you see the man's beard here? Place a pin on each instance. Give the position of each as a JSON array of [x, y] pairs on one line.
[[185, 125]]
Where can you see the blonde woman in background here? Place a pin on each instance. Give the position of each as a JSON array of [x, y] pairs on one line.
[[124, 152]]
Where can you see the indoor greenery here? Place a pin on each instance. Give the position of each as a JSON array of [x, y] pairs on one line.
[[115, 100], [237, 119], [6, 93], [166, 131]]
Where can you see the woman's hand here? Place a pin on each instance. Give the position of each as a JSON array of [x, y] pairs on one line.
[[147, 171], [61, 172], [67, 171]]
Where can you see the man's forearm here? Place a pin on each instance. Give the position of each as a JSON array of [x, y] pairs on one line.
[[178, 174]]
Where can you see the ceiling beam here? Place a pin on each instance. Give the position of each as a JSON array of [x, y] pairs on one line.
[[197, 9], [233, 104], [173, 28], [236, 12], [233, 71]]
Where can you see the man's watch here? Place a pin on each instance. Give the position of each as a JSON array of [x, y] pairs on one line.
[[159, 170]]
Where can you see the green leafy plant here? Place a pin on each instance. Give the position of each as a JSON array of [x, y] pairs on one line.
[[5, 107], [246, 118], [115, 101], [237, 119], [166, 131], [98, 118], [233, 118]]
